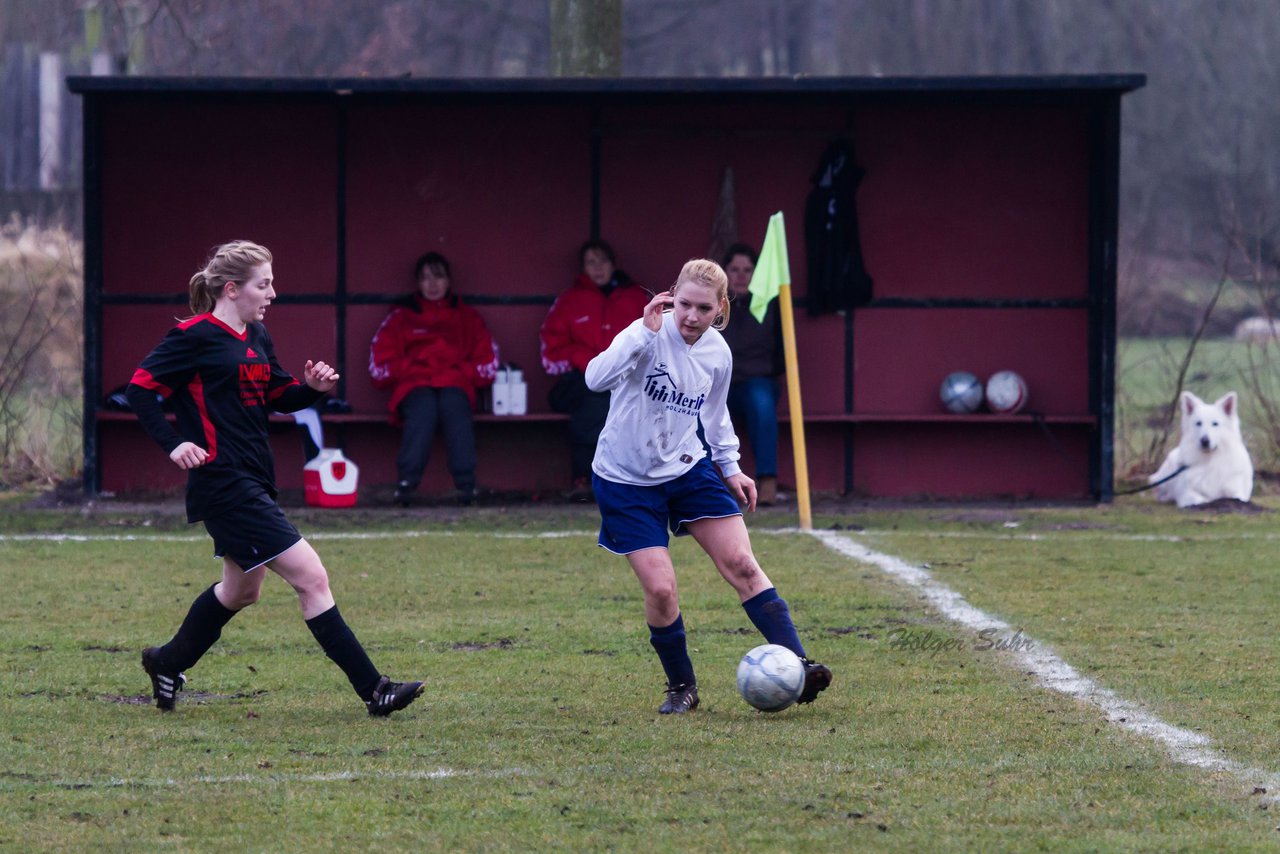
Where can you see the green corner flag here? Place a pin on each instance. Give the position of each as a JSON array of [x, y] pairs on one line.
[[772, 271], [773, 279]]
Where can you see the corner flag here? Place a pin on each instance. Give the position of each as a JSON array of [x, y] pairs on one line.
[[772, 270], [772, 278]]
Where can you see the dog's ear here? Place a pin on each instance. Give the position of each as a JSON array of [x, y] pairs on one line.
[[1227, 403], [1189, 402]]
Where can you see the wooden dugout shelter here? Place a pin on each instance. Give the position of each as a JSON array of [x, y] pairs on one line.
[[988, 221]]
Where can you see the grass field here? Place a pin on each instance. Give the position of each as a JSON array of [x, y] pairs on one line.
[[539, 732]]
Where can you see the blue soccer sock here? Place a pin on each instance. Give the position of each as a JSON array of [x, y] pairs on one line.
[[200, 630], [769, 612], [673, 652]]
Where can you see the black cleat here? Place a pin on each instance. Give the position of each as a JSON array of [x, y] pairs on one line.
[[165, 684], [680, 699], [816, 679], [404, 493], [581, 491], [391, 696]]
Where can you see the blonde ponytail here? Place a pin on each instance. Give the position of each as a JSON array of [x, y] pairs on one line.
[[200, 300], [230, 262]]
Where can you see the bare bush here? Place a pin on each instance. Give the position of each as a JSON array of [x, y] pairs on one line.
[[1259, 269], [41, 346], [1144, 435], [1250, 280]]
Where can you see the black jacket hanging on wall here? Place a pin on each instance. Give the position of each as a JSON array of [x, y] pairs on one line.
[[838, 277]]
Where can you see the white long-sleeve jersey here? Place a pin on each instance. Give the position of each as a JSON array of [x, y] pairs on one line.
[[660, 387]]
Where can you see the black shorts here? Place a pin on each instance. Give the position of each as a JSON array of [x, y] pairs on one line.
[[252, 533]]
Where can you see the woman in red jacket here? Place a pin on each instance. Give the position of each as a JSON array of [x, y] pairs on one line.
[[433, 352], [601, 302]]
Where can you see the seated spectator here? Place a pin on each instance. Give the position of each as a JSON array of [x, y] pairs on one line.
[[757, 362], [601, 302], [433, 352]]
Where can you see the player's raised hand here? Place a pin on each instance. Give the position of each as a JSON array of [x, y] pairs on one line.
[[319, 376], [189, 455], [653, 311]]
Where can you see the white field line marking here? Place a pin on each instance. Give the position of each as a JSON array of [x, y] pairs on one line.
[[1052, 672], [556, 535], [1072, 534], [320, 535], [255, 779]]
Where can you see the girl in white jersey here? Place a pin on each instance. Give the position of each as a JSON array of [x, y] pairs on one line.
[[667, 372]]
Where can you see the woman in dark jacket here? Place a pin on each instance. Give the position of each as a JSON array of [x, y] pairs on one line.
[[757, 362]]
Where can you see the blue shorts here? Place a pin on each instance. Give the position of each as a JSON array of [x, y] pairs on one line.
[[252, 532], [637, 517]]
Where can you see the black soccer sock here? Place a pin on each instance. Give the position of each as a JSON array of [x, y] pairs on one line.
[[339, 643], [770, 614], [673, 652], [199, 630]]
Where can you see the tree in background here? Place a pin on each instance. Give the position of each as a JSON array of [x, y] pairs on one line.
[[586, 38]]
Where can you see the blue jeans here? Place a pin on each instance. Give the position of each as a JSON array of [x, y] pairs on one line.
[[754, 402]]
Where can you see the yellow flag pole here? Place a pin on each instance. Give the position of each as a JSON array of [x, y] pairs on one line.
[[793, 401]]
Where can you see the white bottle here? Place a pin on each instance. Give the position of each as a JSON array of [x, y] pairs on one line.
[[517, 392], [501, 393]]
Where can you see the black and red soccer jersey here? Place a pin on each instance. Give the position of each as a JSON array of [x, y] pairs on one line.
[[221, 385]]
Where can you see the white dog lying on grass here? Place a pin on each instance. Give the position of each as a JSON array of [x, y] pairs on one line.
[[1211, 453]]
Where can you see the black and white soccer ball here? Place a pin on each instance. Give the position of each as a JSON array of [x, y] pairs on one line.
[[961, 392], [770, 677]]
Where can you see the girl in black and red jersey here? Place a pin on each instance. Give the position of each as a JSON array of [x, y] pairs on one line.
[[219, 371]]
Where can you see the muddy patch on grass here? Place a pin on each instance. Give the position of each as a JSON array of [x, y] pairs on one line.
[[477, 646], [978, 516], [187, 696], [1231, 505], [1074, 526]]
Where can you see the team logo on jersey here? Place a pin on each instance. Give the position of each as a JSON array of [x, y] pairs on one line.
[[660, 386], [249, 354], [253, 383]]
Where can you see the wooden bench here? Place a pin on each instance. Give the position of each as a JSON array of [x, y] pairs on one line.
[[529, 453], [783, 418]]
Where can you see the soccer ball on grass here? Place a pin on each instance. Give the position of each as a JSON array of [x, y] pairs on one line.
[[770, 677]]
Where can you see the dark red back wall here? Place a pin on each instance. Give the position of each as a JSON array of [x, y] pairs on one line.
[[973, 199], [965, 201], [181, 179], [503, 192]]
